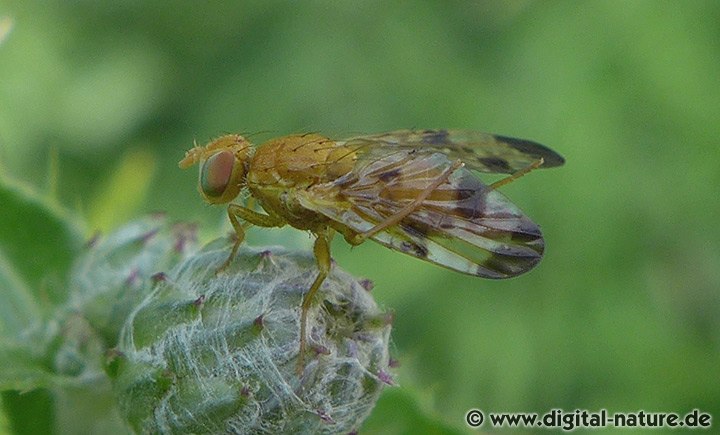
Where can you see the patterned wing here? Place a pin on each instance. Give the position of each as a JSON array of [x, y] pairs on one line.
[[479, 151], [462, 225]]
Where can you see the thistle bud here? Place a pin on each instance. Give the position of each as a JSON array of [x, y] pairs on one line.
[[209, 352], [112, 276]]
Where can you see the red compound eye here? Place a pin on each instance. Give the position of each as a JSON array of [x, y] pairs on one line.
[[216, 173]]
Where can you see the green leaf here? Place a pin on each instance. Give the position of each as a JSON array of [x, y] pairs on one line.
[[22, 369], [26, 403], [18, 308], [38, 242], [400, 411], [29, 413]]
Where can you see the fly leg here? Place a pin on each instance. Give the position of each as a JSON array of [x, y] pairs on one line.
[[514, 176], [237, 212], [357, 238], [321, 249]]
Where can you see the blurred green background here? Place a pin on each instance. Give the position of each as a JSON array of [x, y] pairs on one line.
[[99, 100]]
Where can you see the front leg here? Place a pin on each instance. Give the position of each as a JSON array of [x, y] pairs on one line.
[[237, 212]]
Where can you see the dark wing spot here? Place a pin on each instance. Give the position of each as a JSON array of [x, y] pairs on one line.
[[528, 228], [505, 266], [419, 230], [389, 175], [486, 272], [470, 196], [533, 149], [415, 227], [496, 164], [414, 249], [435, 137]]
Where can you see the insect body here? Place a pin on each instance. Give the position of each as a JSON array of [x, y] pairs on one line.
[[412, 191]]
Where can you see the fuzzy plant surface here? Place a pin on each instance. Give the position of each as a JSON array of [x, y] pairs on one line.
[[209, 352], [134, 331], [110, 277], [114, 272]]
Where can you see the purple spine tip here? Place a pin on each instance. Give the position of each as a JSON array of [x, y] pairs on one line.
[[159, 277], [259, 321], [367, 284], [321, 350], [185, 233], [93, 240], [385, 377], [324, 417], [145, 238], [133, 278], [199, 301]]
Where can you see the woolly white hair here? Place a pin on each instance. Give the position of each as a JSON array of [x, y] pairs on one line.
[[209, 353]]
